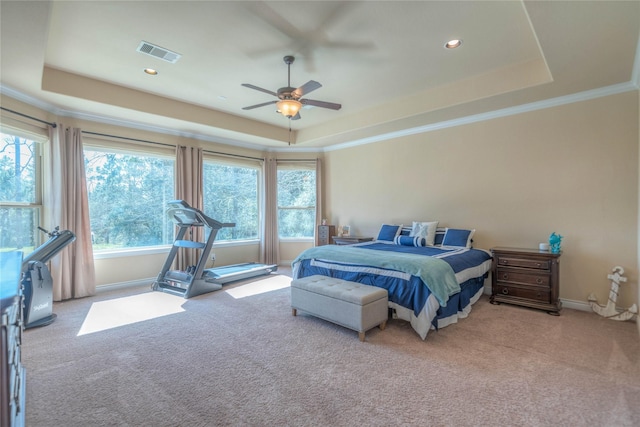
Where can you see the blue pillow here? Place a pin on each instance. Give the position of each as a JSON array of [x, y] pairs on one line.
[[458, 237], [410, 241], [439, 235], [405, 231], [389, 232]]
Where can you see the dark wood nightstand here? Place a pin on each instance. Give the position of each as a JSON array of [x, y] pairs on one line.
[[350, 240], [526, 277]]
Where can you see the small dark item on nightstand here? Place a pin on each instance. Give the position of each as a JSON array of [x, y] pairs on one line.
[[324, 234]]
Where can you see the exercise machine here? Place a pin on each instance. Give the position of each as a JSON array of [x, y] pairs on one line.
[[197, 280], [36, 279]]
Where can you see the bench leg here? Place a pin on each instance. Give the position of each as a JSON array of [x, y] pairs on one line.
[[383, 325], [294, 311], [361, 336]]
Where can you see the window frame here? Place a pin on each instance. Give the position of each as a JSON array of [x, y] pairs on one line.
[[297, 165], [108, 145], [249, 163], [38, 138]]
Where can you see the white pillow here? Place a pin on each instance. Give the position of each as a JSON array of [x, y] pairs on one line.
[[426, 230]]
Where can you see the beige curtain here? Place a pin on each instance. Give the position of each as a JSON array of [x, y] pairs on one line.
[[72, 270], [189, 188], [318, 198], [270, 245]]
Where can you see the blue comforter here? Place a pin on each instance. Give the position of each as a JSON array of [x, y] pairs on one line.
[[410, 274]]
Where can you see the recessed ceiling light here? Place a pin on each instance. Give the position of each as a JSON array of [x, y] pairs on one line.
[[151, 71], [452, 44]]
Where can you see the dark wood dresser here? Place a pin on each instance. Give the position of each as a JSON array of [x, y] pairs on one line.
[[526, 277], [324, 234], [12, 373]]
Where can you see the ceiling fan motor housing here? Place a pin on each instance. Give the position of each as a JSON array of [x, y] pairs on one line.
[[287, 93]]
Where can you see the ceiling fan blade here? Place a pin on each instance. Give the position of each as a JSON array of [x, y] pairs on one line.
[[296, 117], [309, 86], [323, 104], [251, 107], [250, 86]]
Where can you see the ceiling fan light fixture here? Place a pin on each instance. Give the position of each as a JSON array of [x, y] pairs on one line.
[[288, 107]]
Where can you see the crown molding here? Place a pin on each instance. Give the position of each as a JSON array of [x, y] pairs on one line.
[[505, 112], [631, 85]]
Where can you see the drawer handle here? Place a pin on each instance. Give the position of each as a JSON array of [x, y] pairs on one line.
[[505, 276], [505, 291], [538, 264], [504, 261], [539, 280]]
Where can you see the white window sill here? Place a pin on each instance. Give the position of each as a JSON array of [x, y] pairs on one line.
[[152, 250]]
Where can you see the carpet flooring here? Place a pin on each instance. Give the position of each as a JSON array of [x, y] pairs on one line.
[[237, 357]]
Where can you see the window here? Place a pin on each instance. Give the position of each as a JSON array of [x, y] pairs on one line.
[[20, 193], [128, 194], [296, 200], [231, 195]]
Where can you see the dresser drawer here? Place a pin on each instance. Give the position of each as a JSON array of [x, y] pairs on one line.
[[529, 293], [506, 275], [509, 261]]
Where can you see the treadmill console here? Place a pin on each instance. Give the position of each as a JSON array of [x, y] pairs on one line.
[[182, 214]]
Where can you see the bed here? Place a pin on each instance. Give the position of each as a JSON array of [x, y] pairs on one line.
[[432, 277]]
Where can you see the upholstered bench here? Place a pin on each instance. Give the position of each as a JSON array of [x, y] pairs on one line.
[[349, 304]]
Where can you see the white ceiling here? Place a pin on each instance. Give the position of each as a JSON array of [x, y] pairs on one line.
[[384, 61]]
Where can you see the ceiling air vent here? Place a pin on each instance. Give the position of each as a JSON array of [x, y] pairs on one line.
[[158, 52]]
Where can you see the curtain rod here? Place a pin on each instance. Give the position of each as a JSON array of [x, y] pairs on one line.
[[53, 125], [167, 145], [233, 155], [296, 160], [128, 139]]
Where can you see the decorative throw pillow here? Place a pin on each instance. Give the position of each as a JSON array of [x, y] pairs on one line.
[[439, 235], [458, 237], [426, 230], [405, 231], [409, 241], [389, 232]]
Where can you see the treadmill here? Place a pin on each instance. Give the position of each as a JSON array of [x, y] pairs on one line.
[[197, 280]]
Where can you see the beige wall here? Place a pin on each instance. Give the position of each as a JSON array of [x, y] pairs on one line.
[[571, 169]]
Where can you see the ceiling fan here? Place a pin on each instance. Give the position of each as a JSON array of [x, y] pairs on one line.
[[290, 99]]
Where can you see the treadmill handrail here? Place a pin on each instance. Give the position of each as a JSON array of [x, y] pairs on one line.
[[182, 214]]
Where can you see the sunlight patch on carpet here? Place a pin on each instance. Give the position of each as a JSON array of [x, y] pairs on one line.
[[118, 312], [271, 283]]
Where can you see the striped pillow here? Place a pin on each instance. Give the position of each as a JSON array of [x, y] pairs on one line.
[[410, 240]]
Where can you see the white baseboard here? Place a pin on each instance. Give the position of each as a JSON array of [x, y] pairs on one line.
[[576, 305], [123, 285]]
